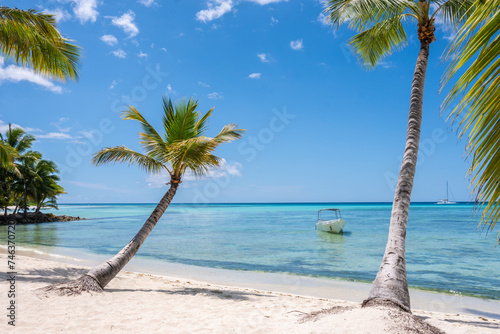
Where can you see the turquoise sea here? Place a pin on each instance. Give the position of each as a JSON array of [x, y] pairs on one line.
[[445, 250]]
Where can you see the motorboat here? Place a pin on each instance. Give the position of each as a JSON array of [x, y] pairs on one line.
[[330, 220]]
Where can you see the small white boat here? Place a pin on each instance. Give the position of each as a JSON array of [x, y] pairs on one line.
[[445, 200], [330, 220]]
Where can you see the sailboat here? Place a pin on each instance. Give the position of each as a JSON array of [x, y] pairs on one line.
[[445, 200]]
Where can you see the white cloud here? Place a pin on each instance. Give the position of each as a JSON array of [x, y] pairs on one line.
[[224, 169], [60, 14], [13, 73], [85, 10], [126, 22], [274, 21], [297, 44], [119, 53], [263, 57], [323, 19], [142, 55], [267, 2], [216, 8], [215, 96], [203, 84], [55, 135], [163, 49], [4, 127], [109, 39], [255, 75], [59, 125], [113, 84], [147, 3], [170, 90]]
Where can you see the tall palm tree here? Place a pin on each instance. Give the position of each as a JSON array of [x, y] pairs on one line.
[[181, 147], [478, 91], [31, 38], [380, 27]]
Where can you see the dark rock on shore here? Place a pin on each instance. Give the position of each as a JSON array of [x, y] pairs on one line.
[[35, 218]]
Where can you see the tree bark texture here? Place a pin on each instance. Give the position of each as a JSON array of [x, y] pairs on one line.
[[391, 285], [106, 271]]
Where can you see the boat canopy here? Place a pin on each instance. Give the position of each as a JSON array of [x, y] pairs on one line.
[[329, 212]]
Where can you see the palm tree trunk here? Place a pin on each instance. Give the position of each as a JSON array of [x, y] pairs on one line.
[[390, 286], [98, 277]]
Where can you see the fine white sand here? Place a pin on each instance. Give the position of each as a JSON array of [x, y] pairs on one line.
[[145, 303]]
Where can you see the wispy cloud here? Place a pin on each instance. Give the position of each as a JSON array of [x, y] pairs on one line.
[[267, 2], [147, 3], [126, 23], [255, 75], [215, 96], [98, 186], [297, 44], [59, 125], [323, 19], [119, 53], [13, 73], [85, 10], [113, 84], [109, 39], [216, 8], [203, 84], [263, 57], [4, 127], [60, 14], [274, 21], [142, 55], [55, 135]]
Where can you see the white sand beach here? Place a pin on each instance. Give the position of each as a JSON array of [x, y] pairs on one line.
[[138, 302]]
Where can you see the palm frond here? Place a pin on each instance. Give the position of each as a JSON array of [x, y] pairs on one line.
[[360, 14], [229, 133], [201, 125], [453, 12], [123, 154], [380, 40], [477, 89], [31, 38]]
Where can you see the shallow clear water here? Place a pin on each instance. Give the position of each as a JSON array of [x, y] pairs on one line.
[[445, 252]]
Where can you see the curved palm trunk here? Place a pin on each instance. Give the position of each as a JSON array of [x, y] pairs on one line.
[[390, 285], [106, 271], [98, 277]]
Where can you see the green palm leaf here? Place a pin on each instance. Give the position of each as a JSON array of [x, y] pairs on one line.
[[123, 154], [477, 90], [180, 148], [31, 38]]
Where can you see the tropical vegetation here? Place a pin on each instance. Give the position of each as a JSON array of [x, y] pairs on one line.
[[26, 179], [477, 90], [381, 30], [180, 147], [31, 38]]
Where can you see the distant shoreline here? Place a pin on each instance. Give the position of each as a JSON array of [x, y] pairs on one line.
[[35, 218]]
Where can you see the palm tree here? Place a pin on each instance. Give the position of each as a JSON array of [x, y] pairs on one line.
[[31, 38], [44, 190], [15, 144], [478, 91], [180, 148], [380, 28]]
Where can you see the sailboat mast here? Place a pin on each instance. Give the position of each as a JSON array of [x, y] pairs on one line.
[[447, 190]]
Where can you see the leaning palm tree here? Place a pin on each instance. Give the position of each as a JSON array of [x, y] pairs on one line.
[[31, 38], [380, 26], [182, 147], [478, 91]]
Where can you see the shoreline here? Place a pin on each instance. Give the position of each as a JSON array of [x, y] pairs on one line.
[[35, 218], [306, 286], [142, 302]]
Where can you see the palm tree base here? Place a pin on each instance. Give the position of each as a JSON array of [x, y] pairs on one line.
[[84, 283], [380, 302]]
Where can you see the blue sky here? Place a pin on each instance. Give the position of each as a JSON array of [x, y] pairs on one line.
[[320, 127]]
